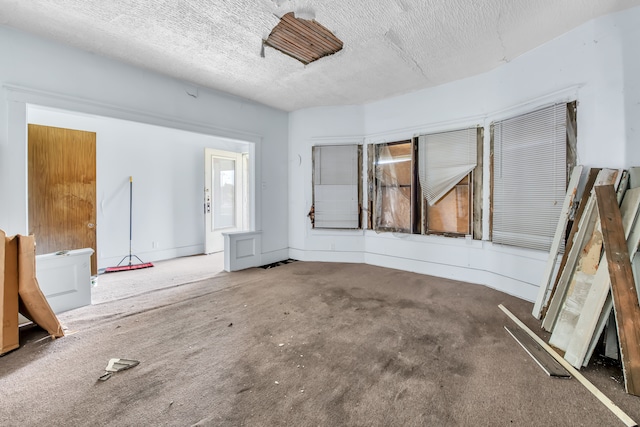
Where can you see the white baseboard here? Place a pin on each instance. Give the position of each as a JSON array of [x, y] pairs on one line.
[[151, 256], [511, 286], [327, 256], [275, 256]]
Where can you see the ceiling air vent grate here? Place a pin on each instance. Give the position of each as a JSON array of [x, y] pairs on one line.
[[304, 40]]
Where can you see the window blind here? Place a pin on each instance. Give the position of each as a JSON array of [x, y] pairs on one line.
[[444, 159], [335, 190], [529, 177]]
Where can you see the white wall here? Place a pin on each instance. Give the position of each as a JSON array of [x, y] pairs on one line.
[[631, 88], [594, 64], [166, 163]]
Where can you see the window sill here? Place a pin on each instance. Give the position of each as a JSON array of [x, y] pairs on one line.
[[336, 232], [452, 240]]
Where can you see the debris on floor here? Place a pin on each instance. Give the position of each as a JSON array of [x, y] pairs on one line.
[[104, 376], [588, 296], [117, 365], [279, 263], [574, 372], [596, 275], [548, 364]]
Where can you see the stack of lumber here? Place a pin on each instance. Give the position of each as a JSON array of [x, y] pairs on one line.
[[591, 289]]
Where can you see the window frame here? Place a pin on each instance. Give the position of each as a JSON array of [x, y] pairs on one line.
[[312, 212], [476, 188], [419, 211], [570, 147], [374, 193]]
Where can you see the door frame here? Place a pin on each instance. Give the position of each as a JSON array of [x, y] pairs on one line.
[[212, 242]]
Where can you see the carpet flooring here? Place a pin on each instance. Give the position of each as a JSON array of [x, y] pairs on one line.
[[303, 344]]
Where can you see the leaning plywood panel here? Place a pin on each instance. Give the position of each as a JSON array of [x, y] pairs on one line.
[[577, 290], [34, 305], [603, 322], [581, 239], [548, 275], [623, 290], [633, 240], [8, 293], [594, 308], [586, 193], [622, 187]]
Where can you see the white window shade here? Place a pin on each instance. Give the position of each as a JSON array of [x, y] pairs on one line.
[[529, 177], [335, 190], [444, 159]]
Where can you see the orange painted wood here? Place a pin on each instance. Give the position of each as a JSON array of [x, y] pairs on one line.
[[623, 289], [62, 189]]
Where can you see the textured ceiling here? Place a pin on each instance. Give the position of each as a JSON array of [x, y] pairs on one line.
[[390, 47]]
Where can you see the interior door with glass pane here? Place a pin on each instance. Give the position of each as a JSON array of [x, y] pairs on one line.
[[223, 196]]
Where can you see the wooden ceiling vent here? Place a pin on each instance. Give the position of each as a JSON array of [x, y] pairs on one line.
[[304, 40]]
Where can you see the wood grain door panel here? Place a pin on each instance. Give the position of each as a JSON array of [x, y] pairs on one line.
[[62, 189]]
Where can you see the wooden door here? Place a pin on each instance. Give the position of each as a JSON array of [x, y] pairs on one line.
[[62, 190]]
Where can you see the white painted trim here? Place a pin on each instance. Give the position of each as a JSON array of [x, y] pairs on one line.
[[484, 120], [88, 106], [65, 279], [351, 257], [502, 283], [337, 140], [213, 239], [274, 256], [566, 95], [242, 249], [413, 131], [336, 232]]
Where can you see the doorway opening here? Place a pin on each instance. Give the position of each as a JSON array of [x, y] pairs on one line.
[[226, 196], [166, 163]]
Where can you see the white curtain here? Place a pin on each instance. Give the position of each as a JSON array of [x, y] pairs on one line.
[[529, 177], [335, 190], [444, 159]]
